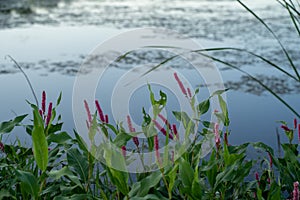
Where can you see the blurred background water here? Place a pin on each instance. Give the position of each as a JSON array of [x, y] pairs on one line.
[[50, 40]]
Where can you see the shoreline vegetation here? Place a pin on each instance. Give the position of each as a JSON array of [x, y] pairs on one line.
[[60, 166]]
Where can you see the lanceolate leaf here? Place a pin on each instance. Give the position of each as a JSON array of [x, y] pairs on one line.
[[40, 147], [141, 188], [79, 163], [203, 107], [224, 110], [29, 182], [39, 141], [8, 126]]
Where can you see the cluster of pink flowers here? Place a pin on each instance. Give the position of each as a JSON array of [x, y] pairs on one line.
[[46, 116], [103, 118], [172, 129], [296, 126]]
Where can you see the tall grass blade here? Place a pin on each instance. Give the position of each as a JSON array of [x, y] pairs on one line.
[[257, 80], [294, 19], [234, 67], [255, 55], [275, 36], [27, 79]]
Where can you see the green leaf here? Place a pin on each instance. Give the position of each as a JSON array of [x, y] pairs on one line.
[[122, 139], [186, 173], [64, 172], [59, 99], [224, 110], [261, 145], [59, 138], [149, 197], [119, 179], [79, 163], [29, 182], [203, 107], [40, 147], [8, 126], [5, 194], [54, 128], [157, 105], [142, 188], [80, 142], [172, 175], [196, 187], [37, 118], [75, 197], [188, 124], [219, 92]]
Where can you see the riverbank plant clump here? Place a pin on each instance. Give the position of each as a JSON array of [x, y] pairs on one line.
[[59, 165]]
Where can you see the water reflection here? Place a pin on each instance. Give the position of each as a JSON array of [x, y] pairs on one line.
[[56, 51]]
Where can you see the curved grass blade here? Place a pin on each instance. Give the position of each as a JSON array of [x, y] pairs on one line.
[[223, 49], [26, 77], [294, 19], [291, 6], [275, 36], [236, 68], [258, 81]]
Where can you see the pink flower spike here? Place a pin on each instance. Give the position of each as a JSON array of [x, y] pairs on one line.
[[160, 128], [124, 151], [299, 133], [49, 114], [86, 105], [99, 111], [270, 158], [257, 178], [136, 141], [175, 131], [156, 147], [44, 102], [217, 135], [131, 129], [41, 112], [165, 121], [189, 92], [1, 147], [226, 138], [106, 119], [183, 90], [285, 128], [295, 123], [296, 191]]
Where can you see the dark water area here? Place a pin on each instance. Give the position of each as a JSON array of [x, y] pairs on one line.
[[51, 39]]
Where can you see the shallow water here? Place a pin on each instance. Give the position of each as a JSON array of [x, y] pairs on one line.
[[51, 41]]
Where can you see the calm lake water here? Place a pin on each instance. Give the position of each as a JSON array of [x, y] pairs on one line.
[[51, 40]]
